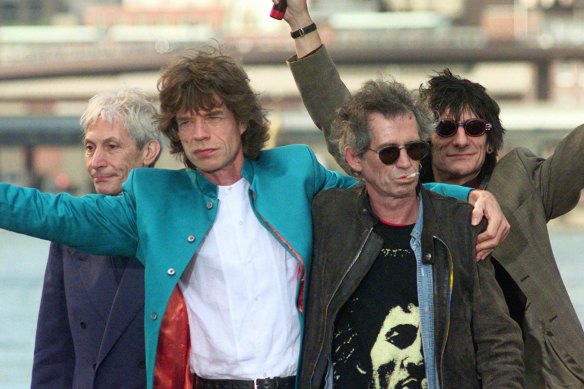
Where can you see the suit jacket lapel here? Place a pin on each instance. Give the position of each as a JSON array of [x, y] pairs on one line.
[[98, 279], [127, 304]]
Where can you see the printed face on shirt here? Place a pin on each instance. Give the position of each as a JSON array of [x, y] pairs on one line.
[[110, 154], [459, 158], [396, 355], [388, 180], [211, 140]]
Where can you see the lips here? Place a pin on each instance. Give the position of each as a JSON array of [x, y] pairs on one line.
[[406, 176], [461, 155], [101, 178], [202, 153]]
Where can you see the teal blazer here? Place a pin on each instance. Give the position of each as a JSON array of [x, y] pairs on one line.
[[162, 216]]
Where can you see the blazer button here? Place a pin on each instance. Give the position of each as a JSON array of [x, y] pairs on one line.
[[83, 325], [154, 316], [209, 205], [427, 258], [191, 238], [171, 271]]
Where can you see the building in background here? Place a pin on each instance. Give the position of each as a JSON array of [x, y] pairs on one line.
[[55, 54]]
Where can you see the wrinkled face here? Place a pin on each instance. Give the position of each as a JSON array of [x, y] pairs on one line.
[[393, 180], [110, 155], [212, 142], [396, 356], [459, 158]]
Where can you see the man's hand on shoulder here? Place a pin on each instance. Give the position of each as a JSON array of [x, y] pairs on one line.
[[485, 205]]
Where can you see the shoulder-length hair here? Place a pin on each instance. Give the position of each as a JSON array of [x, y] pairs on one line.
[[203, 80]]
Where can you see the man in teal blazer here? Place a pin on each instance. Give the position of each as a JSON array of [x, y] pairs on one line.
[[175, 223]]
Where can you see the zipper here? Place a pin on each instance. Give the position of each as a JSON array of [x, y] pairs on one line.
[[447, 329], [326, 311]]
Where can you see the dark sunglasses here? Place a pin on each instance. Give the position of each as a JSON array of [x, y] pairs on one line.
[[389, 154], [473, 127]]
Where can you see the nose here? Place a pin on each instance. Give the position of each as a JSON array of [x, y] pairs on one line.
[[460, 138], [197, 129], [404, 160], [98, 159]]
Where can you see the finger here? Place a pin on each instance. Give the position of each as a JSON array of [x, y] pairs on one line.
[[490, 244], [488, 240], [483, 254], [491, 232], [477, 213]]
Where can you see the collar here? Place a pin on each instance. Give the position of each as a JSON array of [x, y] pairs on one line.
[[210, 189], [365, 213], [369, 219], [431, 229]]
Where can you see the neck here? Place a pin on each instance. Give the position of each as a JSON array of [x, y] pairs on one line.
[[395, 210], [440, 176], [228, 174], [223, 178]]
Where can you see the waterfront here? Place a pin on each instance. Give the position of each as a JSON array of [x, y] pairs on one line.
[[22, 265]]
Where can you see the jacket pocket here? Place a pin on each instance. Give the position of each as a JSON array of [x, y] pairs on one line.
[[560, 368]]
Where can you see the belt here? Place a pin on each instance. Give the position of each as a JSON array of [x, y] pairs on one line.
[[259, 383]]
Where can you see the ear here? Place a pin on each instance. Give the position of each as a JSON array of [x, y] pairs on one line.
[[242, 128], [151, 151], [352, 159]]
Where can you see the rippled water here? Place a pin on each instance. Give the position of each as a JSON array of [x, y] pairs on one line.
[[22, 265]]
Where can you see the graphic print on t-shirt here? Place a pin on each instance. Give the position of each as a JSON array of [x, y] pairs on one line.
[[377, 340]]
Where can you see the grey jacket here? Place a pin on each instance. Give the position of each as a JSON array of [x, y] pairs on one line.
[[531, 191], [477, 344]]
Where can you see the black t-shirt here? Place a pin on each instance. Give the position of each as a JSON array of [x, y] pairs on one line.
[[377, 339]]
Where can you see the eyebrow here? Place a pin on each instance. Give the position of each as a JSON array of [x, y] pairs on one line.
[[109, 139], [212, 111]]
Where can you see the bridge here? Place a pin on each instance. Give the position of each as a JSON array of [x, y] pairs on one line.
[[53, 76]]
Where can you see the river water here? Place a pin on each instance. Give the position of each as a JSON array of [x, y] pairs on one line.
[[22, 266]]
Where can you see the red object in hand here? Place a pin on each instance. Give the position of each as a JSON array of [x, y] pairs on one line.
[[278, 10]]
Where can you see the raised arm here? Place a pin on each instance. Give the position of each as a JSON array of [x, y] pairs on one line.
[[298, 17], [558, 180], [321, 88]]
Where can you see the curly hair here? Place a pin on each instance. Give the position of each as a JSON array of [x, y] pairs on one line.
[[202, 80], [448, 92]]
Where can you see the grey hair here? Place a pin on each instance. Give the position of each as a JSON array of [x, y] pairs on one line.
[[387, 97], [129, 106]]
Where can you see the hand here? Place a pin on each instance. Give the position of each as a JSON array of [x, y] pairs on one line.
[[296, 15], [485, 205]]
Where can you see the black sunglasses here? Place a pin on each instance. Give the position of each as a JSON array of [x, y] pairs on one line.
[[389, 154], [473, 127]]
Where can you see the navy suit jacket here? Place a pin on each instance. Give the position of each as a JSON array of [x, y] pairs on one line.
[[90, 331]]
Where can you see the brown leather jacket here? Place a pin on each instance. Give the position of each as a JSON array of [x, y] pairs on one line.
[[477, 344]]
